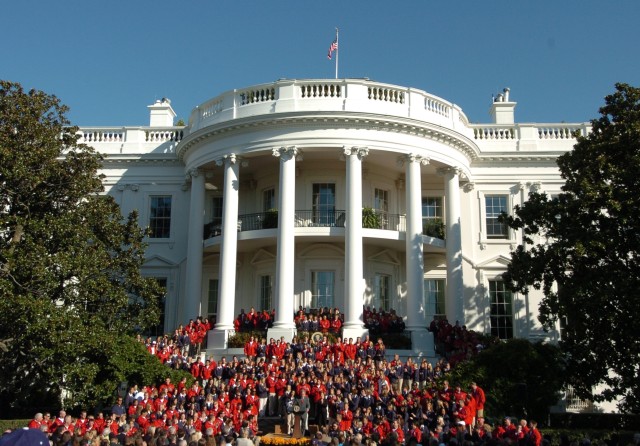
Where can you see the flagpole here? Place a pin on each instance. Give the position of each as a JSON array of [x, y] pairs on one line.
[[337, 53]]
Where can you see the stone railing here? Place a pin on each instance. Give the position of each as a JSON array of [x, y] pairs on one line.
[[327, 95], [494, 132], [88, 135], [110, 139], [502, 132], [130, 134], [320, 91]]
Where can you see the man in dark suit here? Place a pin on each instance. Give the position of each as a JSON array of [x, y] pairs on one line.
[[302, 406]]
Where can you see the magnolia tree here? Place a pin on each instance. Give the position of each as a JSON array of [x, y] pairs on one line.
[[582, 249], [71, 292]]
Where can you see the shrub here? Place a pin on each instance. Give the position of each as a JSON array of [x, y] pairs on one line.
[[270, 219], [433, 227], [370, 219]]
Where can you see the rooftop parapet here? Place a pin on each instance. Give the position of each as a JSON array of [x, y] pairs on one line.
[[327, 96]]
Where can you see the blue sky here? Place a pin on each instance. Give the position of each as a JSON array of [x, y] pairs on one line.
[[108, 60]]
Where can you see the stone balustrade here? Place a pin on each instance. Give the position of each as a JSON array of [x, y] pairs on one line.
[[348, 96], [111, 140], [352, 95]]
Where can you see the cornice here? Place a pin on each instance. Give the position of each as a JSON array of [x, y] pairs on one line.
[[141, 159], [332, 120], [490, 160]]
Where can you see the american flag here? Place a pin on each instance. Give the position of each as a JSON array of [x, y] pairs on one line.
[[332, 48]]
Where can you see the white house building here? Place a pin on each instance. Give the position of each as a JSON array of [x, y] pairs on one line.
[[258, 202]]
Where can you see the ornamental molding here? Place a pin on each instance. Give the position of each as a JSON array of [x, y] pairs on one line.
[[360, 152], [420, 129], [287, 153], [141, 160]]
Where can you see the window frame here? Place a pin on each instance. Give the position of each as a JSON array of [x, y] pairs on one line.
[[428, 304], [215, 290], [261, 292], [269, 199], [314, 289], [506, 314], [151, 218], [377, 300], [323, 214], [484, 237]]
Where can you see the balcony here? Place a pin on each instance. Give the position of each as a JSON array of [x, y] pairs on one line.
[[372, 219]]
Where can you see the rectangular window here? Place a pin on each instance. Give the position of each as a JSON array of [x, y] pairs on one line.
[[268, 199], [431, 208], [266, 293], [212, 301], [322, 289], [434, 298], [432, 221], [216, 211], [158, 330], [501, 309], [494, 206], [160, 216], [324, 204], [381, 206], [382, 292]]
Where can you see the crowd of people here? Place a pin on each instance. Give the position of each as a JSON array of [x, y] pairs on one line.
[[185, 341], [455, 342], [347, 391]]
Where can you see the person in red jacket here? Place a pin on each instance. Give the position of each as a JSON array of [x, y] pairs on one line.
[[350, 350], [36, 422], [336, 324], [325, 324], [479, 398], [535, 438], [251, 348]]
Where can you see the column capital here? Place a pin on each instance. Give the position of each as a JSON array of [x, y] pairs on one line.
[[442, 171], [468, 187], [287, 153], [193, 173], [230, 158], [360, 152], [413, 158]]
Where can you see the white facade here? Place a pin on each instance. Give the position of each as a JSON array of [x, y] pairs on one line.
[[319, 151]]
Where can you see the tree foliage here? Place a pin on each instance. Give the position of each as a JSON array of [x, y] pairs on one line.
[[520, 378], [70, 281], [581, 249]]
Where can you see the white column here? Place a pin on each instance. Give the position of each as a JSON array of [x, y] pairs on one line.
[[416, 318], [354, 274], [228, 248], [416, 311], [283, 324], [193, 298], [455, 291]]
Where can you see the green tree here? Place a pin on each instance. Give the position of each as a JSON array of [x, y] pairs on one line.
[[520, 378], [70, 283], [582, 249]]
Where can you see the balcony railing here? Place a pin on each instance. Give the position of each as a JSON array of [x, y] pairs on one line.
[[320, 219], [325, 219]]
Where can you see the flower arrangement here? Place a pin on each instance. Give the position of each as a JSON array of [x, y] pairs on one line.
[[272, 440]]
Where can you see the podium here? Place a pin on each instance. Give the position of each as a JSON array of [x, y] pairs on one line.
[[297, 432]]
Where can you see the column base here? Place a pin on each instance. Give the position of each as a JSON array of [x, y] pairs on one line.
[[278, 332], [422, 342], [217, 339]]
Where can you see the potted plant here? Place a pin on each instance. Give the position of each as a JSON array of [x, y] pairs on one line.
[[370, 219], [270, 219], [433, 227]]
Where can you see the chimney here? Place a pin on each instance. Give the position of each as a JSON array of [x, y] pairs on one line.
[[502, 111], [161, 113]]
